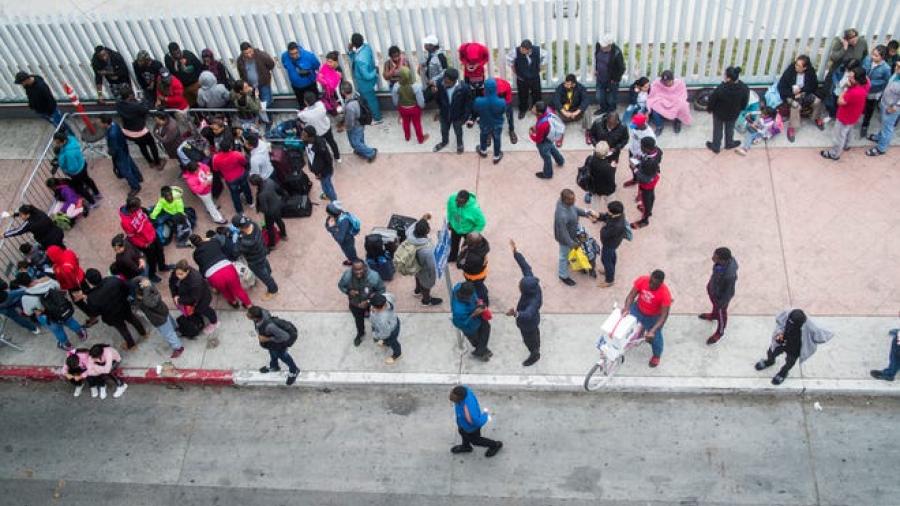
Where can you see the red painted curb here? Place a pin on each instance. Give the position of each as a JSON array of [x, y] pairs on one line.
[[220, 377]]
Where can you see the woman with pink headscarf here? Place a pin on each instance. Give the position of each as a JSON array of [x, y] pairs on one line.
[[668, 99]]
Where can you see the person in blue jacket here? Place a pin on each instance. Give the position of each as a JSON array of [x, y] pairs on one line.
[[301, 67], [491, 110], [123, 165], [365, 73], [70, 159], [528, 309], [470, 418], [468, 318]]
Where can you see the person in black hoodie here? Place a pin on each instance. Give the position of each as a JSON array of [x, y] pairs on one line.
[[609, 128], [269, 201], [108, 64], [192, 295], [40, 98], [251, 246], [720, 289], [474, 263], [528, 309], [646, 173], [600, 174], [321, 164], [134, 125], [615, 229], [45, 232], [726, 104], [108, 298], [185, 66], [147, 71]]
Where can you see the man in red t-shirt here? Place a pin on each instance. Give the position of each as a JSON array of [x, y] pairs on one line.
[[649, 301], [851, 104]]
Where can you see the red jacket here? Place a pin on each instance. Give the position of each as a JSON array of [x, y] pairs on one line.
[[137, 227], [232, 165], [65, 267], [175, 99], [473, 57], [541, 129], [504, 89]]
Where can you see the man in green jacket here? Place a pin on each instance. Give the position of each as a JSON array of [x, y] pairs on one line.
[[463, 216]]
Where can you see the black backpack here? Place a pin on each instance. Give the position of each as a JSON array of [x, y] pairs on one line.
[[287, 327], [297, 183], [189, 326], [57, 306], [296, 206], [365, 113]]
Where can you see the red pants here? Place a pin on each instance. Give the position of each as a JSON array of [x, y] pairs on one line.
[[412, 114], [228, 283], [720, 314]]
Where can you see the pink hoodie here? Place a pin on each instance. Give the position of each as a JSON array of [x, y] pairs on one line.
[[110, 355], [200, 182]]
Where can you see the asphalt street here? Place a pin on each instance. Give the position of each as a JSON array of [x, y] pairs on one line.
[[390, 446]]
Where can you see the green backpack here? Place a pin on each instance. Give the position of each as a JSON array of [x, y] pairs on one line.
[[405, 261], [62, 221]]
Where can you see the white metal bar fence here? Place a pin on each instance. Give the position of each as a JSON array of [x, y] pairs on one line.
[[700, 37]]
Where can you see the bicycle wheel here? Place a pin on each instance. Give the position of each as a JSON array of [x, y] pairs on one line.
[[598, 376]]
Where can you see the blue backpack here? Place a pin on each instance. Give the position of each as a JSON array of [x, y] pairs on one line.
[[355, 224]]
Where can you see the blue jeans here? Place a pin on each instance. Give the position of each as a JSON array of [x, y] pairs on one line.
[[657, 119], [328, 188], [749, 137], [167, 330], [235, 188], [265, 96], [58, 330], [368, 94], [496, 134], [894, 358], [607, 96], [888, 123], [357, 138], [563, 267], [648, 322], [55, 119], [608, 259], [13, 314], [127, 169], [284, 356], [509, 117], [548, 150]]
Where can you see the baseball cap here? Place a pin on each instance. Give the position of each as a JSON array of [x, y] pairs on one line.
[[240, 221], [430, 39], [21, 77], [639, 120]]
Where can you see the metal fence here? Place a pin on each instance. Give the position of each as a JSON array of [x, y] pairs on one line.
[[695, 38]]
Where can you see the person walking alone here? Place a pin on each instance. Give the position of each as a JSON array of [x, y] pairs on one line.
[[540, 135], [276, 336], [528, 309], [797, 337], [470, 419], [720, 289]]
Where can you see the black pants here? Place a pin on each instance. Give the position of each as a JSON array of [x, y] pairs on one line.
[[482, 291], [299, 92], [648, 197], [271, 221], [156, 257], [871, 105], [789, 360], [329, 138], [393, 341], [457, 130], [84, 185], [480, 339], [718, 127], [455, 239], [147, 145], [208, 312], [82, 304], [528, 88], [426, 292], [359, 318], [102, 379], [470, 439], [532, 340], [129, 317]]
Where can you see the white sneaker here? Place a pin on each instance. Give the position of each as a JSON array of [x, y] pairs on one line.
[[78, 389], [102, 393], [95, 391], [36, 331], [120, 390], [209, 329]]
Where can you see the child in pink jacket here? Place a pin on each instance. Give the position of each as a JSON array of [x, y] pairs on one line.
[[104, 359], [76, 368]]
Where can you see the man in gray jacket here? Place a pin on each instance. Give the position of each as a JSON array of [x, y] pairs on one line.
[[426, 277], [797, 337], [355, 130], [276, 336], [565, 227], [360, 283]]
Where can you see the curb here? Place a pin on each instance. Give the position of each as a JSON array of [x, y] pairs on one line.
[[558, 383]]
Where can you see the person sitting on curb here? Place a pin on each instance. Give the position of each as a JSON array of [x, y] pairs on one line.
[[797, 337], [104, 360], [275, 335]]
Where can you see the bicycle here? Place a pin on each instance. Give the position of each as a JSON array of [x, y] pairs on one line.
[[619, 334]]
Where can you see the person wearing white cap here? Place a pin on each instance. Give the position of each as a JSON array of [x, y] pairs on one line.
[[432, 64], [609, 67]]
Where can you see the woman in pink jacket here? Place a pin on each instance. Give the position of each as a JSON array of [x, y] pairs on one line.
[[200, 180], [668, 99], [76, 368], [104, 360]]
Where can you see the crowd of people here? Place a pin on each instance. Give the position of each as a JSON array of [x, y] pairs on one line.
[[219, 149]]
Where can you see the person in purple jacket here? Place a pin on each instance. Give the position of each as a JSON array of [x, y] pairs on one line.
[[68, 201], [470, 418]]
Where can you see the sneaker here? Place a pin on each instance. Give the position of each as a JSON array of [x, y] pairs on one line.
[[630, 183], [120, 390], [439, 146], [657, 131], [513, 138], [90, 322], [531, 359], [177, 353], [706, 316], [338, 160], [267, 369], [78, 389], [379, 342], [873, 138], [425, 138], [322, 196], [209, 329], [541, 175], [377, 122], [879, 375], [434, 301], [357, 340], [102, 392], [713, 339], [461, 449], [777, 379], [66, 346], [654, 361], [567, 281], [36, 331], [791, 134], [268, 296], [732, 144], [460, 149], [741, 151], [374, 155], [498, 158], [292, 377], [95, 392], [762, 364], [874, 152], [676, 126], [587, 198], [391, 360], [639, 224], [604, 284], [710, 146], [482, 153], [493, 451]]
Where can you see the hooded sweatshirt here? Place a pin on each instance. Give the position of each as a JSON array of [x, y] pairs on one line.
[[385, 321], [137, 227], [491, 109], [70, 157], [251, 245], [268, 328], [199, 181], [212, 95], [811, 335], [405, 92], [65, 267], [302, 71], [426, 276], [468, 218], [365, 72], [152, 304], [40, 98], [461, 311], [721, 283], [268, 198], [31, 299], [528, 309], [470, 404], [104, 364]]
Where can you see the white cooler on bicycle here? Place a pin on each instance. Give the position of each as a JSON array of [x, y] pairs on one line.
[[615, 333]]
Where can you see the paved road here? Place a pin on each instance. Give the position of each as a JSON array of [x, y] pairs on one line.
[[390, 447]]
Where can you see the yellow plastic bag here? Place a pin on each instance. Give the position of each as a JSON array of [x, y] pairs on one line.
[[578, 260]]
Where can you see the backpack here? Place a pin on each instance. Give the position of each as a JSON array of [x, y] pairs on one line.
[[365, 113], [355, 224], [189, 326], [405, 259], [297, 206], [383, 266], [557, 127], [63, 222], [583, 179], [248, 279], [57, 307], [287, 327], [297, 183]]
